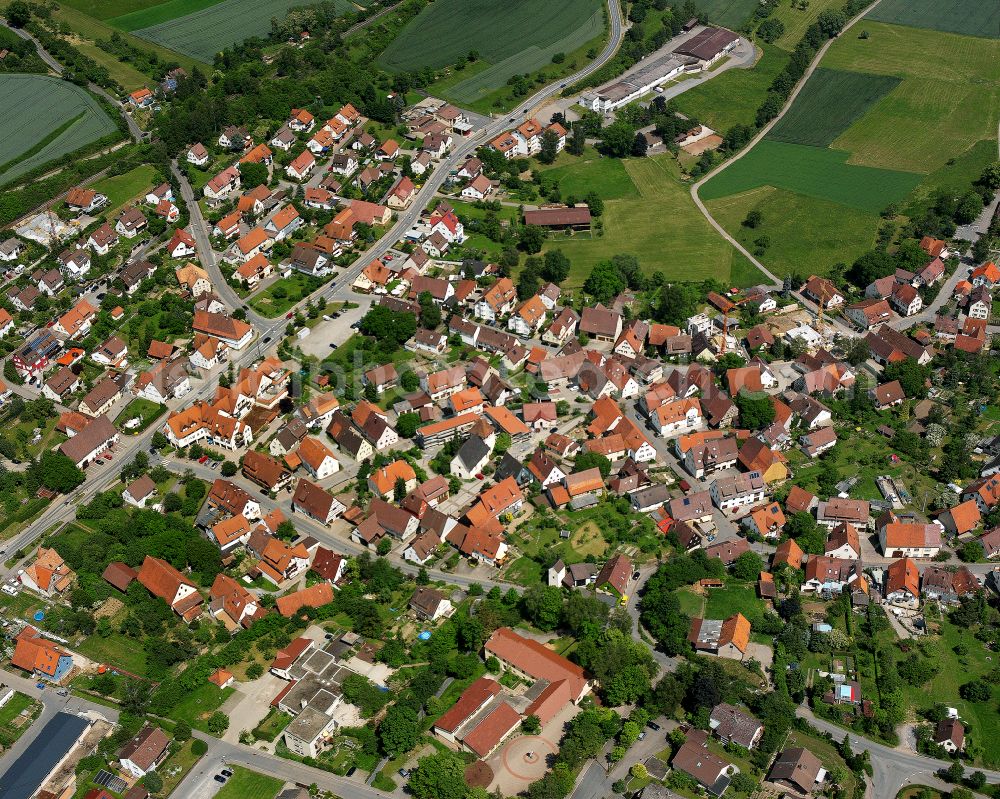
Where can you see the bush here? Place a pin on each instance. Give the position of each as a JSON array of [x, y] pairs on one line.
[[198, 747]]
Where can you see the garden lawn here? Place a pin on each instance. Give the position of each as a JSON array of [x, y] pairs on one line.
[[692, 603], [127, 186], [969, 17], [588, 540], [117, 651], [591, 172], [733, 97], [815, 172], [662, 228], [16, 705], [721, 603], [953, 672], [948, 100], [147, 411], [198, 705], [295, 288], [176, 767], [805, 233], [246, 784]]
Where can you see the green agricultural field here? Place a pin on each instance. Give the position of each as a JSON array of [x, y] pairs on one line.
[[815, 172], [733, 97], [92, 29], [730, 13], [829, 103], [806, 235], [209, 30], [948, 100], [661, 227], [955, 176], [157, 13], [513, 38], [969, 17], [592, 172], [46, 118], [107, 9]]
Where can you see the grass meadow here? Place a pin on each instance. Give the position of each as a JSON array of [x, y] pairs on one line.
[[829, 104], [805, 234], [46, 118], [796, 19], [661, 226], [730, 13], [119, 189], [968, 17], [246, 784], [148, 15], [733, 97], [948, 100], [591, 172]]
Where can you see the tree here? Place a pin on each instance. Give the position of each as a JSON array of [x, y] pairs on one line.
[[199, 747], [399, 730], [252, 175], [153, 782], [756, 410], [228, 468], [57, 472], [531, 239], [218, 723], [770, 30], [617, 139], [182, 731], [555, 267], [975, 691], [803, 528], [391, 327], [594, 203], [255, 671], [407, 424], [640, 145], [747, 566], [542, 605], [430, 311], [911, 375], [439, 776], [18, 13], [531, 725], [753, 219], [384, 546], [590, 460], [159, 440], [550, 146], [604, 282]]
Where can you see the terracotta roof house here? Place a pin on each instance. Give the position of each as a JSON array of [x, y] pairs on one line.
[[119, 574], [525, 656], [313, 597], [728, 639], [163, 580], [615, 575], [709, 770], [145, 751], [788, 552]]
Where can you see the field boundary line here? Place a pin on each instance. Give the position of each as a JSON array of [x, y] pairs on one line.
[[759, 137]]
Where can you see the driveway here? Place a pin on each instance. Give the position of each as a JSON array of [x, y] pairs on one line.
[[250, 704]]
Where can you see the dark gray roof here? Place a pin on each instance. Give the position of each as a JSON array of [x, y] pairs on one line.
[[53, 742], [473, 451]]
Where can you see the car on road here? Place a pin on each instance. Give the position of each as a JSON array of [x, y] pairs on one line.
[[62, 692], [290, 315], [40, 686], [220, 778], [267, 339], [350, 771], [203, 458], [653, 725], [635, 575], [215, 465], [226, 772], [403, 772], [99, 461]]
